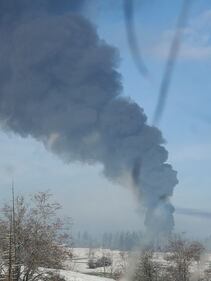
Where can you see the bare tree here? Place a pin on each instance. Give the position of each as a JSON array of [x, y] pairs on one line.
[[181, 255], [207, 274], [39, 237], [120, 266], [147, 269]]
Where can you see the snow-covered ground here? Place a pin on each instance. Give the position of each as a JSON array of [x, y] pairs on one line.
[[81, 257], [78, 270], [75, 276]]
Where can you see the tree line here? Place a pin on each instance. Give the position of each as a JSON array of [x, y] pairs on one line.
[[123, 240]]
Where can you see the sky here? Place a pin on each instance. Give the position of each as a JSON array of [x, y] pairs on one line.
[[94, 203]]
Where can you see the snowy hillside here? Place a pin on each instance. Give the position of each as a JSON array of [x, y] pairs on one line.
[[81, 256], [79, 269]]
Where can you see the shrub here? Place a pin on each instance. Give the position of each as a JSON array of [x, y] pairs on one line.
[[101, 262]]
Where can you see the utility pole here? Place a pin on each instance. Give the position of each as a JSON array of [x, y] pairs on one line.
[[14, 233], [9, 240], [10, 251], [12, 241]]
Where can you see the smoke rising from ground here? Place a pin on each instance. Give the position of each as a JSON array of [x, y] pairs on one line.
[[60, 85]]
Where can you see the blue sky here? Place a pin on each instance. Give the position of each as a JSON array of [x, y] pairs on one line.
[[187, 118], [96, 204]]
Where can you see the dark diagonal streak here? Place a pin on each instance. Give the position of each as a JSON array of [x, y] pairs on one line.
[[173, 53], [194, 213], [131, 37]]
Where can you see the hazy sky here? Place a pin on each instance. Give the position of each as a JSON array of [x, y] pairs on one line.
[[96, 204]]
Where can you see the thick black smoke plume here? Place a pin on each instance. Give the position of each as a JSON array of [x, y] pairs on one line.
[[59, 84]]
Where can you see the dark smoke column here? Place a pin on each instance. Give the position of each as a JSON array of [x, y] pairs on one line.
[[59, 84], [154, 181]]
